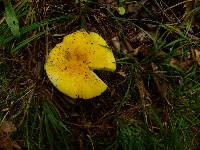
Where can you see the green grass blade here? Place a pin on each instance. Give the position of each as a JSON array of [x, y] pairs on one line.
[[11, 20], [26, 41]]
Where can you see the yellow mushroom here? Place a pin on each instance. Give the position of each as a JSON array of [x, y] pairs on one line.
[[70, 64]]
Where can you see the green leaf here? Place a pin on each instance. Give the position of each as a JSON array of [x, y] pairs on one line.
[[121, 10], [11, 20]]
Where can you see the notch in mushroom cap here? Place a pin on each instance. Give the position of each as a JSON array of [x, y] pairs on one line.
[[70, 64]]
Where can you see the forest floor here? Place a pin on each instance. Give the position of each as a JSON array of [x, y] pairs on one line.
[[153, 99]]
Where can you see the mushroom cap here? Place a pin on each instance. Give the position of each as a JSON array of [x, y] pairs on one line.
[[70, 64]]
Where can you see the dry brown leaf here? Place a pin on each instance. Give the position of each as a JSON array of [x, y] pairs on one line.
[[7, 127], [122, 73], [129, 114], [145, 98], [9, 144], [141, 36], [110, 1], [195, 54], [6, 143], [183, 65], [161, 84], [174, 61], [128, 45], [141, 50], [189, 6], [135, 7], [116, 43], [143, 92]]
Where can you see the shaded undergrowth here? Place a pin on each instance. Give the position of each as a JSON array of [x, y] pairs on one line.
[[153, 98]]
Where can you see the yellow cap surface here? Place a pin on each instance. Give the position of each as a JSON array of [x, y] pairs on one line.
[[70, 64]]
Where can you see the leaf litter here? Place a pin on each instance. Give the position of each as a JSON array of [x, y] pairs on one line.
[[98, 118], [7, 128]]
